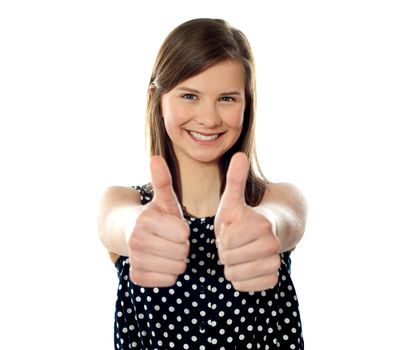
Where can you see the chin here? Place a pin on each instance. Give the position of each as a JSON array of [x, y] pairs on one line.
[[206, 158]]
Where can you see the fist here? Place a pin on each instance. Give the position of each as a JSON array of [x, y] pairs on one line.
[[159, 243], [246, 239]]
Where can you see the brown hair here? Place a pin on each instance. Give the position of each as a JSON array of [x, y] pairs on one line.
[[189, 49]]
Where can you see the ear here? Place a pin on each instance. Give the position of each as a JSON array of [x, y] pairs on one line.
[[151, 88]]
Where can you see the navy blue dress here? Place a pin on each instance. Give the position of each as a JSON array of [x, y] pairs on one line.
[[203, 310]]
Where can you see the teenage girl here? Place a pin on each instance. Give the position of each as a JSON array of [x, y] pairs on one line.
[[203, 250]]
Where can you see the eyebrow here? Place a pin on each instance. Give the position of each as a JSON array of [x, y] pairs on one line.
[[187, 89]]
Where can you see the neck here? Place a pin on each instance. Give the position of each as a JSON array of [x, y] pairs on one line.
[[200, 184]]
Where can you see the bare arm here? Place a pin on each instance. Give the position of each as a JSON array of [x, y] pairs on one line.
[[119, 209], [285, 204], [250, 239], [154, 236]]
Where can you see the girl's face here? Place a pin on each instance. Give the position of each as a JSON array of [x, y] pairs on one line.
[[203, 115]]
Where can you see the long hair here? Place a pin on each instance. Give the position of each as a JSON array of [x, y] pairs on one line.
[[188, 50]]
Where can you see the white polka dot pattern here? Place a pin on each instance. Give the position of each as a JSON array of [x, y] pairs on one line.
[[202, 310]]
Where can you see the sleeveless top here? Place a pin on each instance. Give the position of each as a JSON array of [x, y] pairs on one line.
[[203, 310]]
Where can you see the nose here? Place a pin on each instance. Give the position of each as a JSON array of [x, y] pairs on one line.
[[208, 115]]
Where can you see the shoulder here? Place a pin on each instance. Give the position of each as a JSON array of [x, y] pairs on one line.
[[285, 193], [275, 189], [120, 194], [134, 194]]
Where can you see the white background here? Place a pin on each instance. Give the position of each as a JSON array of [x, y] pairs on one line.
[[333, 99]]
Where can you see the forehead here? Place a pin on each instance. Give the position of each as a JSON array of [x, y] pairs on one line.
[[223, 76]]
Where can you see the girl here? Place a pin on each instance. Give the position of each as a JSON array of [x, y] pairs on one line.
[[203, 251]]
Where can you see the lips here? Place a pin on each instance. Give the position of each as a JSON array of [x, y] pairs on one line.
[[206, 137]]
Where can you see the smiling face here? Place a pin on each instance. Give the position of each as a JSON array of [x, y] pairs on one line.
[[203, 115]]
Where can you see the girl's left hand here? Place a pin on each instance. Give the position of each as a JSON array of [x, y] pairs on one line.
[[246, 239]]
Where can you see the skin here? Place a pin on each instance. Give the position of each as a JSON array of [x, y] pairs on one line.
[[210, 102], [249, 240], [202, 104]]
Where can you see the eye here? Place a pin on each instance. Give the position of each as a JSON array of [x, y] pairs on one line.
[[189, 97], [227, 99]]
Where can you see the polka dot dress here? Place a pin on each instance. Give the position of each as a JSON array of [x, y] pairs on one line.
[[203, 310]]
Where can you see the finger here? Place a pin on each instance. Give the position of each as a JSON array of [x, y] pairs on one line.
[[164, 194], [238, 234], [153, 263], [257, 284], [234, 193], [168, 227], [258, 249], [253, 269], [152, 279], [156, 245], [248, 228]]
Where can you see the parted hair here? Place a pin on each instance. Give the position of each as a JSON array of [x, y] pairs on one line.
[[188, 50]]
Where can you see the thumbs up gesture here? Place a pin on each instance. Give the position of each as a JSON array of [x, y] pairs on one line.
[[159, 243], [246, 238]]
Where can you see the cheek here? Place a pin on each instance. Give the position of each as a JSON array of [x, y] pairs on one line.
[[235, 119], [174, 116]]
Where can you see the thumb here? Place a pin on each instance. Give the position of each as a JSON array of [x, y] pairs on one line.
[[234, 193], [164, 194]]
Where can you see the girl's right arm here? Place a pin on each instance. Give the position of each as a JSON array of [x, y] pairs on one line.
[[154, 236], [118, 212]]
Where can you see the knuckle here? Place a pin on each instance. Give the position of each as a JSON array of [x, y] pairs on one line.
[[229, 273], [143, 218], [136, 262], [180, 233], [274, 280], [141, 243], [183, 233], [223, 256], [185, 250], [147, 216], [241, 286], [276, 244], [270, 245], [165, 281], [180, 267], [265, 225], [277, 261], [135, 276], [146, 279], [171, 281]]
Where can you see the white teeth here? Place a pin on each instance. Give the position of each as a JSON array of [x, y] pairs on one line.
[[203, 137]]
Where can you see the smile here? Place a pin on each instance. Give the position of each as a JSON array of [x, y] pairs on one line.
[[201, 137]]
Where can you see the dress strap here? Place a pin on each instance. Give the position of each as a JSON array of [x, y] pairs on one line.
[[146, 192]]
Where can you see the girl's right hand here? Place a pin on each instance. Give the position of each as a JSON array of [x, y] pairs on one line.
[[159, 243]]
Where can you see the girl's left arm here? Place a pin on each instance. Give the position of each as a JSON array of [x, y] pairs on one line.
[[285, 206]]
